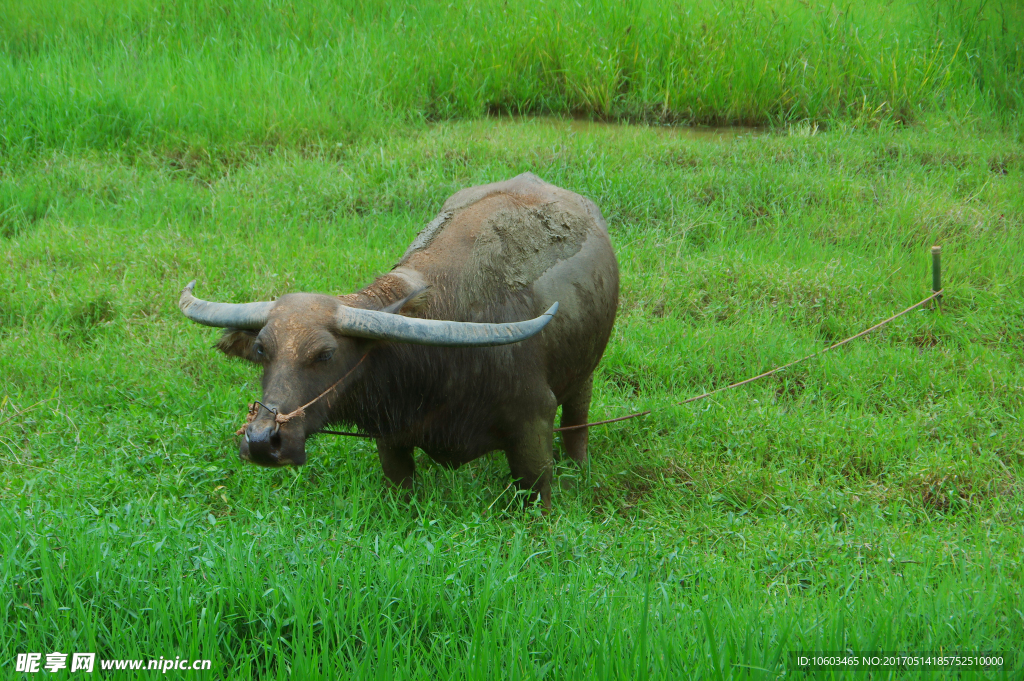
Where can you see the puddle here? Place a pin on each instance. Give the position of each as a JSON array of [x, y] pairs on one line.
[[587, 127]]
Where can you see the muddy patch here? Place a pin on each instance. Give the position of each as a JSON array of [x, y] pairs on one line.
[[586, 126]]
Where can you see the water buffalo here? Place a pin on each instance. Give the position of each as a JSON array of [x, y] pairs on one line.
[[434, 354]]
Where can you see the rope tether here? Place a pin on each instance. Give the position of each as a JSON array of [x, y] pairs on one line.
[[284, 418], [776, 369]]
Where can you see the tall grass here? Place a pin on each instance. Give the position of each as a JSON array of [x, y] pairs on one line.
[[201, 76]]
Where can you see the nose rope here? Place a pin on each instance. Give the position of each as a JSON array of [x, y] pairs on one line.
[[254, 408]]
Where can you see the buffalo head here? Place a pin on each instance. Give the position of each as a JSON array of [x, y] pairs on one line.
[[312, 346]]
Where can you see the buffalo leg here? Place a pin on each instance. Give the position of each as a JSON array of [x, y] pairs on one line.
[[530, 461], [397, 463], [575, 411]]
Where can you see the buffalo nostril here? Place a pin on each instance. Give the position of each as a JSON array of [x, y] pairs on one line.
[[258, 433], [262, 442]]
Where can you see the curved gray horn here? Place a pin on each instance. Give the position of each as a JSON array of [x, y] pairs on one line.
[[381, 325], [234, 315]]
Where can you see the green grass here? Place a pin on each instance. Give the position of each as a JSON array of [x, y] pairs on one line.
[[871, 499], [868, 500], [204, 79]]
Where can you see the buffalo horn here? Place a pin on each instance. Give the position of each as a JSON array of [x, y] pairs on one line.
[[225, 315], [383, 326]]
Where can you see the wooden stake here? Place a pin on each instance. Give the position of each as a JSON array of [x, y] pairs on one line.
[[937, 274]]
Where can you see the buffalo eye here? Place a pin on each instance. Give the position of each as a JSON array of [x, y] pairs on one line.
[[325, 356], [258, 350]]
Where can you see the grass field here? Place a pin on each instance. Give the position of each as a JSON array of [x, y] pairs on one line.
[[221, 79], [868, 500]]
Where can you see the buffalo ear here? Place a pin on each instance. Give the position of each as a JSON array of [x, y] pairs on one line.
[[238, 343], [411, 304]]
